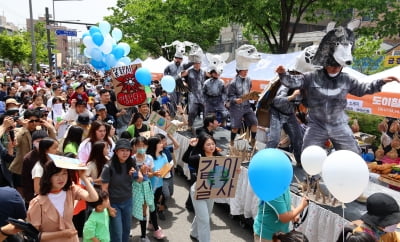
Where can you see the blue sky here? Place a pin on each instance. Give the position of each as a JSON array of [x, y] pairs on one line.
[[87, 11]]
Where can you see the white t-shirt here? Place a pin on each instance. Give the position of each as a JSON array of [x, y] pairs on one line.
[[37, 170], [58, 200]]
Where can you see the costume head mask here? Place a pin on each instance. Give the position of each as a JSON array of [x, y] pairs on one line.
[[337, 45]]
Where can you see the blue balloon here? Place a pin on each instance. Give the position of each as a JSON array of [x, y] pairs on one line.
[[126, 60], [96, 64], [96, 54], [116, 33], [118, 52], [98, 38], [168, 83], [110, 60], [94, 29], [143, 76], [270, 173], [126, 48]]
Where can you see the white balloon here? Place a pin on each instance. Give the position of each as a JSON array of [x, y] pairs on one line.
[[312, 159], [106, 47], [88, 42], [120, 64], [346, 175]]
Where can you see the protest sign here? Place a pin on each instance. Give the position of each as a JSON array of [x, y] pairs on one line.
[[127, 89], [67, 163], [217, 177], [162, 123]]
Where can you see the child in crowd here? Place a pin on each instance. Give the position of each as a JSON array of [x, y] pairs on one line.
[[154, 149], [97, 226], [143, 194]]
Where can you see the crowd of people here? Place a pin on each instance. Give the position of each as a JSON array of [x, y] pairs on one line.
[[77, 116]]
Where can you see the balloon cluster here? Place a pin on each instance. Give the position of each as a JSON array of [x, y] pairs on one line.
[[103, 48], [344, 172]]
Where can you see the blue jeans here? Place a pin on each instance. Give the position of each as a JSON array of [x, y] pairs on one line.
[[120, 225]]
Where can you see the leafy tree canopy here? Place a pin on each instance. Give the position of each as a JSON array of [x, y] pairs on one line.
[[14, 47]]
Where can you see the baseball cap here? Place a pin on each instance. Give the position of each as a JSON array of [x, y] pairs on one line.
[[83, 118], [123, 144], [100, 107]]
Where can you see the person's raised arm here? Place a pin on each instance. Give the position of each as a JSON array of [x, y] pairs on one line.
[[292, 214]]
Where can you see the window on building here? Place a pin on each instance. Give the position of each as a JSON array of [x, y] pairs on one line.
[[396, 52]]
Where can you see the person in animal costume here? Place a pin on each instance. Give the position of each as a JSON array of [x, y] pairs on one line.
[[325, 90], [240, 108], [283, 107]]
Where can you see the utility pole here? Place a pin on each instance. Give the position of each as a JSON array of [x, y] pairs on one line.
[[49, 45], [32, 38]]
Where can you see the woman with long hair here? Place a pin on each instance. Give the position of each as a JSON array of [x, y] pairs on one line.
[[37, 102], [46, 146], [97, 159], [205, 146], [97, 132], [136, 126], [116, 179], [73, 140], [51, 211], [154, 149]]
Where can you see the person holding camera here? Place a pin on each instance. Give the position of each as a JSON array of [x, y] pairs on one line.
[[6, 150], [32, 121]]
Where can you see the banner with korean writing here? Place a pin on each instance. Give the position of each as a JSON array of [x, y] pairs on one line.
[[127, 89], [162, 123], [383, 104], [217, 177]]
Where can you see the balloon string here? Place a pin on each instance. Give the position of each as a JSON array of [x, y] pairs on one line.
[[262, 221], [343, 220]]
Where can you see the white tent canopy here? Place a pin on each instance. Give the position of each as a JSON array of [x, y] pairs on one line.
[[155, 65], [265, 68], [393, 87]]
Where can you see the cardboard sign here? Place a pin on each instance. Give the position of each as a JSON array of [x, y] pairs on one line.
[[217, 177], [162, 123], [67, 163], [127, 89], [165, 169]]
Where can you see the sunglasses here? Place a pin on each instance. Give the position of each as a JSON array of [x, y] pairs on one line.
[[34, 120]]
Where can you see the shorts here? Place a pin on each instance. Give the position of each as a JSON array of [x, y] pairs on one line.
[[248, 116]]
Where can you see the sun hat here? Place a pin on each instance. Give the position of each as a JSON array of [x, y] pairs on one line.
[[382, 210]]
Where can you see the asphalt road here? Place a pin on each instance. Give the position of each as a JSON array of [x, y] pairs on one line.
[[178, 221]]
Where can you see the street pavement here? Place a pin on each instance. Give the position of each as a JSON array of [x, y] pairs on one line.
[[178, 220]]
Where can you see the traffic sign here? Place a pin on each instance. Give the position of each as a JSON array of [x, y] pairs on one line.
[[66, 32]]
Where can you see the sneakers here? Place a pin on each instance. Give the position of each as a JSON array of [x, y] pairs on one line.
[[193, 238], [145, 239], [158, 234], [150, 226]]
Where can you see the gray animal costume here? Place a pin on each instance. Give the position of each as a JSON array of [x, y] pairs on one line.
[[195, 80], [283, 116], [325, 95], [325, 98], [214, 98], [236, 89]]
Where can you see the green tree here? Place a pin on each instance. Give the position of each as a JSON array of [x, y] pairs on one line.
[[154, 23], [367, 54], [276, 22], [14, 47]]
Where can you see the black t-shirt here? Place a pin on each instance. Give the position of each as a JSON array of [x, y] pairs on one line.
[[112, 109]]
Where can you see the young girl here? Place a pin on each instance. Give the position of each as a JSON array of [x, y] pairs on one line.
[[46, 146], [143, 193], [97, 159], [73, 140], [51, 212], [155, 147], [117, 180]]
